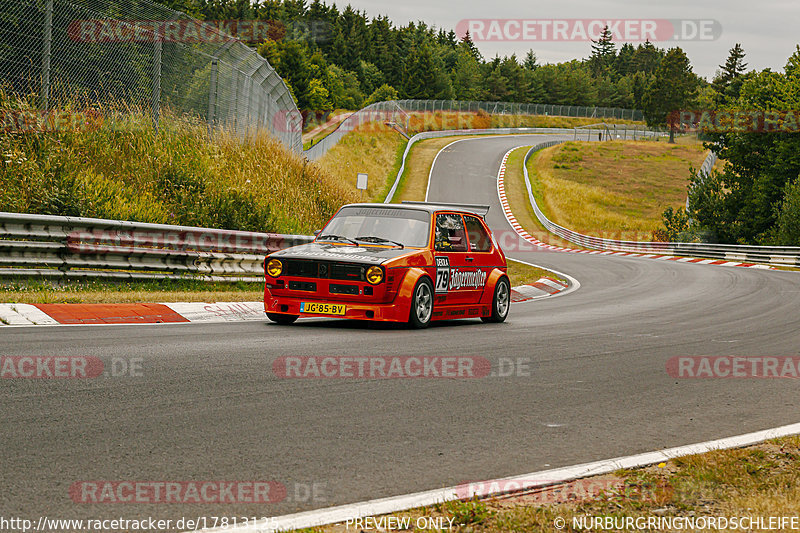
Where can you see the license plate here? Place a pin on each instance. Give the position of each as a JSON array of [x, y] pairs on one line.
[[322, 309]]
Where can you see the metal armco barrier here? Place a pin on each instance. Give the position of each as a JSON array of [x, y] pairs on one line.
[[772, 255], [73, 247]]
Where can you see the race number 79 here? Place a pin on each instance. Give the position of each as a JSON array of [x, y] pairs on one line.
[[442, 273]]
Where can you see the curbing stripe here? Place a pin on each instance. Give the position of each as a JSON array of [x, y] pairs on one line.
[[544, 478], [186, 312]]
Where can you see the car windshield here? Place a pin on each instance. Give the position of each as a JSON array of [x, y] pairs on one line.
[[409, 227]]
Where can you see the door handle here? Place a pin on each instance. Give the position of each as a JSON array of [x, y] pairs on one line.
[[469, 259]]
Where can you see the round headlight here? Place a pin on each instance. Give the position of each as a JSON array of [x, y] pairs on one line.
[[274, 267], [374, 275]]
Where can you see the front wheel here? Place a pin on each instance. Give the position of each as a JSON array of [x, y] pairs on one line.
[[421, 304], [283, 320], [501, 301]]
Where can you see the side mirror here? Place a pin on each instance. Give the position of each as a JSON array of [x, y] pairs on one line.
[[317, 232]]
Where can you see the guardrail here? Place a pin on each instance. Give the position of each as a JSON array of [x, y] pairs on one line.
[[72, 248], [772, 255], [705, 170]]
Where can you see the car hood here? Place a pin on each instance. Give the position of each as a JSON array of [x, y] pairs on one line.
[[345, 253]]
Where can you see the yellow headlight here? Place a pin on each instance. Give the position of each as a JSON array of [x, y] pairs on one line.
[[274, 268], [374, 275]]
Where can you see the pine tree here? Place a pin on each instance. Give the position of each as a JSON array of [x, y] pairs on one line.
[[531, 61], [603, 53], [728, 82], [467, 44], [672, 88]]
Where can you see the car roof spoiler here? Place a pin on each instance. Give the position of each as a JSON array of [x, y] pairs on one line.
[[478, 209]]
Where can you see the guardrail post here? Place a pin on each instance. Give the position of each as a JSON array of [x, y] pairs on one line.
[[48, 39]]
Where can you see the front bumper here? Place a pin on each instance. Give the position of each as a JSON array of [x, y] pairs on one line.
[[397, 311]]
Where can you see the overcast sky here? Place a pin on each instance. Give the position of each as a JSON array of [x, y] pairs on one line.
[[767, 29]]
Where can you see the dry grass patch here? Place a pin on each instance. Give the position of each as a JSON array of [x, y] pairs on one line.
[[758, 481], [615, 189], [374, 149], [517, 194]]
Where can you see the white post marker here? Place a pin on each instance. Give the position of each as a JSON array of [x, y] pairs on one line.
[[361, 182]]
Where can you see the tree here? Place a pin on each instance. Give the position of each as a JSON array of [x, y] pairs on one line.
[[754, 199], [467, 44], [786, 231], [603, 53], [672, 89], [317, 96], [466, 76], [728, 82], [382, 94], [370, 76], [531, 62], [647, 58], [626, 60]]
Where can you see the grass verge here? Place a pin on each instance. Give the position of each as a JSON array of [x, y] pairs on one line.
[[374, 149], [114, 166], [757, 481], [522, 274], [615, 189], [517, 194], [130, 292]]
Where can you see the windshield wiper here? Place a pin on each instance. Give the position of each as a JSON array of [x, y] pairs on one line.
[[332, 237], [372, 238]]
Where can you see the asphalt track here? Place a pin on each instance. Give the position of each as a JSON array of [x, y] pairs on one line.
[[208, 406]]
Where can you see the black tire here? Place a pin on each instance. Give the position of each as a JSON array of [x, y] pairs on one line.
[[501, 302], [421, 304], [283, 320]]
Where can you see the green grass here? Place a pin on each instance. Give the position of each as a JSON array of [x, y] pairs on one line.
[[523, 274], [615, 189]]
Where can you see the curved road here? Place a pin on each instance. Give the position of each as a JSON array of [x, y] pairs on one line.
[[208, 406]]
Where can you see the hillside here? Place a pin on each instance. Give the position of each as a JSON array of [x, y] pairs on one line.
[[120, 169]]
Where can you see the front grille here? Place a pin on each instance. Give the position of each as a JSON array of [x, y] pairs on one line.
[[324, 269], [347, 271]]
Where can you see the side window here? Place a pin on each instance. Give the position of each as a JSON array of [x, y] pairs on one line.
[[479, 240], [450, 234]]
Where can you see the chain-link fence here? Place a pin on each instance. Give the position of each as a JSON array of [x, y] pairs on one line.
[[512, 108], [399, 112], [122, 54]]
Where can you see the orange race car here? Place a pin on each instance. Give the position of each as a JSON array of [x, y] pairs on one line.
[[412, 262]]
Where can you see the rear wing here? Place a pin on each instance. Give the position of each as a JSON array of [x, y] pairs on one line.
[[478, 209]]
